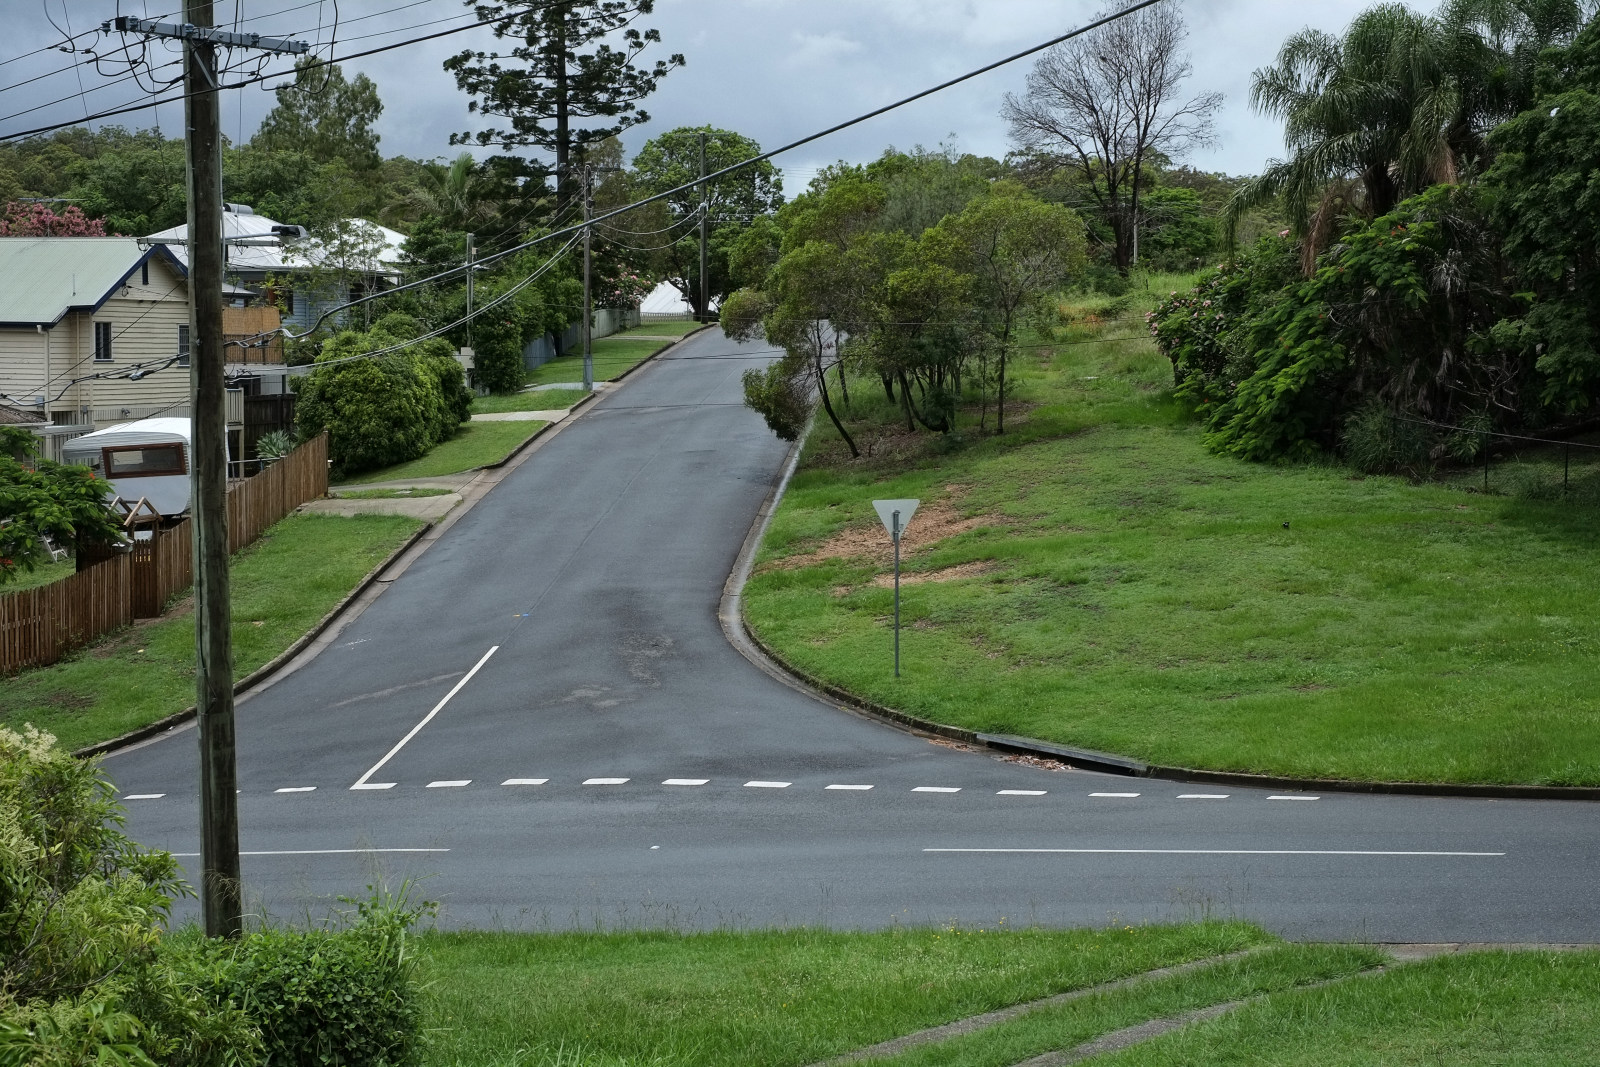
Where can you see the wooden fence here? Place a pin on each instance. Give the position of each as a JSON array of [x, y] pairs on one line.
[[39, 626]]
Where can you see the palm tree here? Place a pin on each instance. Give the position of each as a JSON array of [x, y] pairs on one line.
[[460, 195], [1401, 102]]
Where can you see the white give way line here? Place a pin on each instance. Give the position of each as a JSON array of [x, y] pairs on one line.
[[362, 782]]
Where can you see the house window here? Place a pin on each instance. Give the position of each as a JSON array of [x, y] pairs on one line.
[[144, 461], [183, 345], [102, 342]]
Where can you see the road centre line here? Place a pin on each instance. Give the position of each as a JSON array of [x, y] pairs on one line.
[[457, 783], [297, 789], [1124, 796], [1202, 852], [768, 785], [856, 787], [1203, 796], [1020, 793], [1294, 798], [144, 796], [937, 789], [686, 781], [361, 783], [525, 781], [318, 852], [605, 781]]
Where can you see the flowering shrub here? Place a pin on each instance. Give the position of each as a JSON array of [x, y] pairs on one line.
[[625, 290], [37, 220]]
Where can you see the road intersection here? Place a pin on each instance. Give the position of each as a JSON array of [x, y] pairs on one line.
[[542, 717]]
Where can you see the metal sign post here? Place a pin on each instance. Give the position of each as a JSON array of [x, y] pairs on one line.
[[896, 516]]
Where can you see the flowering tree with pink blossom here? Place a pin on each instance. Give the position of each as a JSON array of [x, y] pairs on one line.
[[22, 219]]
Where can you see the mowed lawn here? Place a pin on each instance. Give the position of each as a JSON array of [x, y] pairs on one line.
[[474, 445], [612, 357], [1101, 580], [281, 587]]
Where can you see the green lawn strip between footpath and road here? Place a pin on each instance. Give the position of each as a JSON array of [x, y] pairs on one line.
[[670, 328], [1475, 1009], [1097, 578], [743, 999], [475, 444], [391, 494], [282, 585], [613, 357], [527, 400]]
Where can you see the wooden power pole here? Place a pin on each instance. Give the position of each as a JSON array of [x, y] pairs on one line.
[[588, 285], [705, 225], [220, 895]]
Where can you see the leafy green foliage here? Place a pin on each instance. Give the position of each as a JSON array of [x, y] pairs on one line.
[[385, 409], [41, 499], [324, 116]]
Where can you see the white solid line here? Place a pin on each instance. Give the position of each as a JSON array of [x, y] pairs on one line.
[[686, 781], [605, 781], [849, 787], [525, 781], [1203, 796], [317, 852], [1127, 796], [297, 789], [1207, 852], [373, 785], [456, 783], [1020, 793], [937, 789], [1294, 798], [144, 796], [767, 785], [361, 783]]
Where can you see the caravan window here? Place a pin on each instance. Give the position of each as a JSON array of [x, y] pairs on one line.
[[141, 461]]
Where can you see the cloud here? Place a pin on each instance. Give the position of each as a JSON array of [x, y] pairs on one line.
[[813, 50]]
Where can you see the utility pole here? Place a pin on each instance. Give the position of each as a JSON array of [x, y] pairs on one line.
[[220, 890], [705, 223], [471, 259], [588, 288]]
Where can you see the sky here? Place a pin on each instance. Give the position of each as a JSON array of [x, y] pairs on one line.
[[774, 70]]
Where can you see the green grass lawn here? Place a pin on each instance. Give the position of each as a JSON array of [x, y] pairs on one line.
[[281, 586], [612, 357], [541, 400], [475, 445], [1099, 579], [391, 494], [762, 998], [43, 574], [674, 328]]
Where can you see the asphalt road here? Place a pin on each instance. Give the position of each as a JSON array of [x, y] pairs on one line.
[[549, 728]]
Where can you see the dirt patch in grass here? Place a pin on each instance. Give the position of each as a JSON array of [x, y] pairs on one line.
[[974, 569], [935, 521]]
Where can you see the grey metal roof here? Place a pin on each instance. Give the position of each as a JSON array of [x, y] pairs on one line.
[[42, 278]]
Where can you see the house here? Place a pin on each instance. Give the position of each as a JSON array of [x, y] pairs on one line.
[[93, 330], [305, 277]]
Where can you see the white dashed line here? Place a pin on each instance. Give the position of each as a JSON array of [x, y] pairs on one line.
[[937, 789], [1124, 796], [1020, 793], [768, 785], [1203, 852], [144, 796], [856, 787], [1203, 796], [297, 789], [686, 781], [525, 781], [374, 785], [454, 783], [318, 852], [1294, 798], [606, 781]]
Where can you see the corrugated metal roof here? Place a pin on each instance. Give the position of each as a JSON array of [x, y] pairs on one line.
[[302, 255], [42, 278]]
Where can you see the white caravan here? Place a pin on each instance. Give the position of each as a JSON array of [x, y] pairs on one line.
[[149, 458]]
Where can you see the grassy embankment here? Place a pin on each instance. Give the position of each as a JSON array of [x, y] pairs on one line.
[[475, 444], [539, 400], [789, 998], [1097, 578], [281, 585], [614, 355]]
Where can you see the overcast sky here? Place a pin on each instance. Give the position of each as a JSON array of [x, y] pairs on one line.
[[771, 69]]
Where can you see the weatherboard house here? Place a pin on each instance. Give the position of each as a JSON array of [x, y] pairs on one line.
[[93, 331]]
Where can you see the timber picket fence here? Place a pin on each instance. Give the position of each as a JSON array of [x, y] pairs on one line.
[[40, 626]]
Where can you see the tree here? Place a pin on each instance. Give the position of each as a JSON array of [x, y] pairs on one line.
[[40, 499], [323, 116], [136, 185], [551, 86], [1108, 101], [37, 220], [734, 202]]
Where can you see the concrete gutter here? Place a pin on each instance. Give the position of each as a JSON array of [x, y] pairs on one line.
[[350, 608], [730, 613]]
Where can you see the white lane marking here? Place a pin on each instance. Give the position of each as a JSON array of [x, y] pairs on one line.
[[1203, 796], [937, 789], [1126, 796], [361, 783], [1020, 793], [144, 796], [297, 789], [849, 787], [525, 781], [317, 852], [605, 781], [686, 781], [767, 785], [1205, 852], [452, 783], [1294, 798]]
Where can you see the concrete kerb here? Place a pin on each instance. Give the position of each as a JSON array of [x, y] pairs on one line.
[[730, 613], [348, 610]]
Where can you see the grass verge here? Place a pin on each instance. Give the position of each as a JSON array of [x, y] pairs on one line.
[[43, 574], [674, 328], [762, 998], [1479, 1009], [475, 445], [1097, 578], [391, 494], [282, 585], [613, 357], [542, 400]]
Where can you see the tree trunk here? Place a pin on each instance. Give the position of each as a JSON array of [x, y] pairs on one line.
[[912, 409], [827, 405], [888, 386]]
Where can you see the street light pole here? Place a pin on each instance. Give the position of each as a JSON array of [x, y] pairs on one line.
[[705, 222], [896, 533], [588, 289]]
